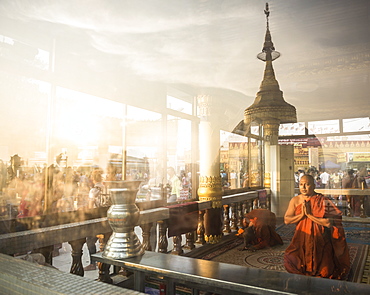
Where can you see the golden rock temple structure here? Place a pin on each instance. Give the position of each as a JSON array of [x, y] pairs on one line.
[[269, 110]]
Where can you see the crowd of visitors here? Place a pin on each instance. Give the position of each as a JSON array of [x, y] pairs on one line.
[[342, 179], [24, 189], [332, 179]]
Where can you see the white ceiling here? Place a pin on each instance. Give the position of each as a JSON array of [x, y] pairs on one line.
[[325, 45]]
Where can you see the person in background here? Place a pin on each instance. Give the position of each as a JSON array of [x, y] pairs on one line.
[[175, 185], [325, 177], [233, 179], [335, 180], [300, 174], [347, 182], [224, 179], [94, 202], [245, 180], [259, 231], [359, 182]]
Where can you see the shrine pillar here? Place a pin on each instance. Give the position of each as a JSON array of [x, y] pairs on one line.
[[210, 188]]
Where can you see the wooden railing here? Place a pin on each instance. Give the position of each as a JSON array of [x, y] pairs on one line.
[[234, 205], [342, 198], [41, 233]]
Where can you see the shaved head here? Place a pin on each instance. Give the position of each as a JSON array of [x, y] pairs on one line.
[[307, 185], [309, 178]]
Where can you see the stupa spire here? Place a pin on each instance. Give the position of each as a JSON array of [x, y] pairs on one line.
[[268, 55], [269, 107], [268, 51]]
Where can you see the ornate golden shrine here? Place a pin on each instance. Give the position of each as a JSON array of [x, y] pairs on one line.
[[269, 107]]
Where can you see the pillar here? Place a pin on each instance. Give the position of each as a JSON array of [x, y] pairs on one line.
[[272, 163], [286, 178], [274, 157], [279, 166], [210, 188]]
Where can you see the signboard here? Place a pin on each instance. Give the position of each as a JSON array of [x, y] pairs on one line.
[[359, 157], [342, 158]]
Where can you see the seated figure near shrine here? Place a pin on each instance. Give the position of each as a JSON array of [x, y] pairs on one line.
[[318, 247], [259, 231]]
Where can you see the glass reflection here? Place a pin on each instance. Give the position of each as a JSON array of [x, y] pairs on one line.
[[144, 145], [179, 159], [240, 161]]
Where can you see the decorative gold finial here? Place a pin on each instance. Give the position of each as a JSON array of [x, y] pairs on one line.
[[267, 11], [268, 50]]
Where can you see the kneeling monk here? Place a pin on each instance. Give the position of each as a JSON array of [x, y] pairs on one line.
[[260, 233], [319, 246]]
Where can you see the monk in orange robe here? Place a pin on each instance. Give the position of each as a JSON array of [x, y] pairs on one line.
[[319, 246]]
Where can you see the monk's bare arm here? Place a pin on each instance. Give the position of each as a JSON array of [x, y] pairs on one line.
[[290, 216]]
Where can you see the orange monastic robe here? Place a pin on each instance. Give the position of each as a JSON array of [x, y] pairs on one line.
[[316, 250]]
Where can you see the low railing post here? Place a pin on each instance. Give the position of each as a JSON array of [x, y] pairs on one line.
[[103, 267], [226, 219], [163, 241], [200, 229], [76, 267], [234, 218], [362, 207], [349, 207], [146, 229], [190, 240], [255, 203], [268, 201], [250, 205], [240, 215], [177, 248]]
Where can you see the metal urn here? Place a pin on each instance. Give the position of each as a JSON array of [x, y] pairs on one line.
[[123, 216]]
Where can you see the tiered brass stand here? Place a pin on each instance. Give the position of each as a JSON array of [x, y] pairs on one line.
[[123, 216]]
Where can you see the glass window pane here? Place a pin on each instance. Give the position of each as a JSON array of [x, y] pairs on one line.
[[255, 130], [292, 129], [233, 160], [179, 158], [256, 163], [323, 127], [23, 144], [144, 152], [356, 124], [17, 51], [179, 105], [86, 138]]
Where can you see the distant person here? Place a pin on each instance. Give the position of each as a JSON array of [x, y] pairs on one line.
[[325, 177], [94, 202], [224, 178], [347, 183], [335, 179], [296, 179], [245, 180], [300, 174], [233, 179], [318, 247], [259, 231], [175, 185], [359, 182]]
